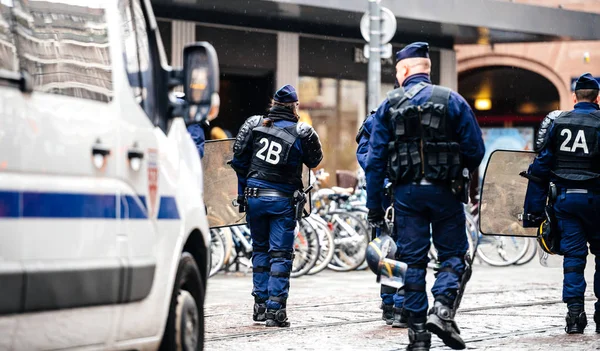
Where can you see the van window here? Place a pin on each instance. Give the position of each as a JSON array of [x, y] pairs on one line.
[[8, 50], [64, 48], [138, 58]]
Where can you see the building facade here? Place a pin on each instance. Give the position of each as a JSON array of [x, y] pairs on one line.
[[317, 47]]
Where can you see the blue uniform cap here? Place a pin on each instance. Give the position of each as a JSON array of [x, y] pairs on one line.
[[587, 81], [286, 94], [418, 49]]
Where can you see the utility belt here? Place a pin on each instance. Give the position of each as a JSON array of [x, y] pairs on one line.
[[459, 186], [257, 192], [298, 197]]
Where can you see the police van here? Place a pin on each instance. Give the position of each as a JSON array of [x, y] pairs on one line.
[[103, 232]]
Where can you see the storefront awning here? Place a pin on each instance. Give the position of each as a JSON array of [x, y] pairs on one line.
[[441, 22]]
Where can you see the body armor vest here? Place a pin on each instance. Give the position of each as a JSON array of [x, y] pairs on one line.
[[271, 155], [424, 144], [575, 146]]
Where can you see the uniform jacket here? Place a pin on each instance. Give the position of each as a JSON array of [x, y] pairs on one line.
[[242, 162], [537, 192], [460, 115]]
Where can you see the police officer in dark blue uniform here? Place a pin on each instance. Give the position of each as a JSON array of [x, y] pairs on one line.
[[269, 152], [569, 159], [392, 299], [428, 140]]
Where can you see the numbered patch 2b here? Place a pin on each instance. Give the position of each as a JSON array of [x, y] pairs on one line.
[[271, 148]]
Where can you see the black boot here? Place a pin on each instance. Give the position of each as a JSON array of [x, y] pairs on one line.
[[400, 318], [440, 321], [597, 321], [576, 320], [419, 337], [387, 314], [277, 318], [260, 311]]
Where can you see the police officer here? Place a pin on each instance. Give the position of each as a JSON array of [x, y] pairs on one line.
[[427, 138], [268, 155], [391, 298], [570, 159]]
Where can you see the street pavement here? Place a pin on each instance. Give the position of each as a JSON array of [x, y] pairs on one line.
[[505, 308]]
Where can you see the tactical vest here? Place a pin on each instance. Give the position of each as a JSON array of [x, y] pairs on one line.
[[424, 144], [271, 155], [577, 156]]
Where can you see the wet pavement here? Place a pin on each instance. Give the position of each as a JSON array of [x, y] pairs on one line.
[[506, 308]]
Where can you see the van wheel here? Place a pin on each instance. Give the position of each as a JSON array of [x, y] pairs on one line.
[[185, 324]]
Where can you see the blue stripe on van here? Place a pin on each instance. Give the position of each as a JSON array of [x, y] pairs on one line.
[[133, 207], [15, 204], [10, 204], [168, 208]]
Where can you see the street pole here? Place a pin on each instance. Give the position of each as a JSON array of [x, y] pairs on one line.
[[374, 85]]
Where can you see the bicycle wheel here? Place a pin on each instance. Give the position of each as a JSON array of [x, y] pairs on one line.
[[217, 252], [501, 251], [306, 249], [530, 255], [351, 238], [326, 244], [225, 233]]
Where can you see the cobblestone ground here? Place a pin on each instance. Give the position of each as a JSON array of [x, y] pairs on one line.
[[506, 308]]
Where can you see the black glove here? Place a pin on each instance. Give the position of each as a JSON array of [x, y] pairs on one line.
[[242, 204], [375, 217]]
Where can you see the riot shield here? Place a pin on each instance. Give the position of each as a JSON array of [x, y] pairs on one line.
[[503, 194], [221, 185]]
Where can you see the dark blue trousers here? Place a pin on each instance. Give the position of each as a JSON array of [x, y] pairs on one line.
[[272, 225], [577, 216], [423, 212]]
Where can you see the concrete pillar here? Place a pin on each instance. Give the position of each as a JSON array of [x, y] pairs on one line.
[[448, 74], [183, 33], [288, 59]]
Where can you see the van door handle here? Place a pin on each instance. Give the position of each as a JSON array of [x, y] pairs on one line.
[[99, 154], [98, 149], [135, 153], [135, 157]]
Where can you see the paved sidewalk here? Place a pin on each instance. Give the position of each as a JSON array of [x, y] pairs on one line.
[[510, 308]]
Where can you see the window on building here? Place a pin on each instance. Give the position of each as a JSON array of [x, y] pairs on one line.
[[64, 48], [8, 50]]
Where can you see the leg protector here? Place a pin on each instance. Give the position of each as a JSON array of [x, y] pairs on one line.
[[440, 321], [400, 318], [260, 311], [277, 317], [576, 319], [387, 314], [418, 336]]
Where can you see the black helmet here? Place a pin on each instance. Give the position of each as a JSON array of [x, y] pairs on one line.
[[548, 237], [379, 249]]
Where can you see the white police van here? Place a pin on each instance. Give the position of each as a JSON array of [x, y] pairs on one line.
[[103, 231]]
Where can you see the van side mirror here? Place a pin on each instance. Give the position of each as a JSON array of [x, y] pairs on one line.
[[201, 81]]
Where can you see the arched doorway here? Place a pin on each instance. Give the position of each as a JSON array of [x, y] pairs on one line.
[[508, 96], [509, 103]]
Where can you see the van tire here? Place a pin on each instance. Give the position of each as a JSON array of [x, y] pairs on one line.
[[185, 324]]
